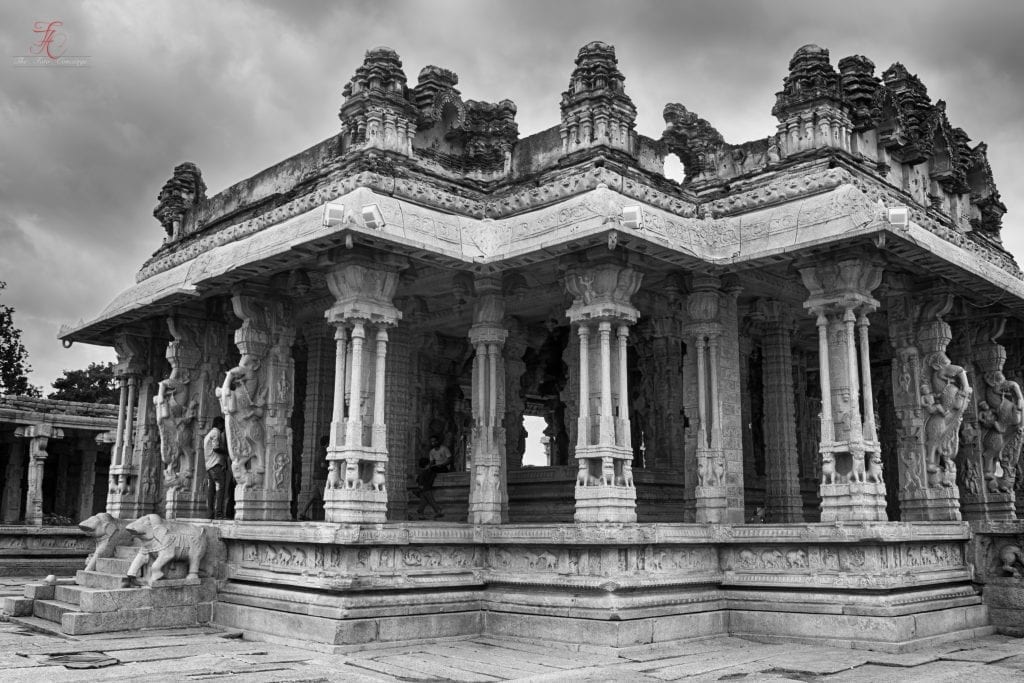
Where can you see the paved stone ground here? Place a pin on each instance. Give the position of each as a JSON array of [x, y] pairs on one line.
[[210, 654]]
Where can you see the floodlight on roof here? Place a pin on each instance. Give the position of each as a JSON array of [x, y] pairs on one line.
[[899, 217], [372, 217], [633, 217]]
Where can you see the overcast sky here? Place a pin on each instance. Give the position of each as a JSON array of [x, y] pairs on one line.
[[236, 86]]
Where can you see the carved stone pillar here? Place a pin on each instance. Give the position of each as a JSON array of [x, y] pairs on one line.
[[256, 398], [123, 492], [39, 437], [852, 489], [602, 313], [317, 413], [783, 501], [513, 350], [364, 290], [713, 330], [993, 428], [10, 512], [660, 396], [488, 492], [177, 410], [930, 396], [87, 477]]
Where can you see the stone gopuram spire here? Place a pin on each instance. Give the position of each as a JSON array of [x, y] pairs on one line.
[[810, 107], [596, 110], [378, 112]]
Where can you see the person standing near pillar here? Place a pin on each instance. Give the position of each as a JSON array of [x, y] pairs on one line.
[[216, 453], [440, 457]]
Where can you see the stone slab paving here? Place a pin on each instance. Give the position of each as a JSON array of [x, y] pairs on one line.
[[210, 654]]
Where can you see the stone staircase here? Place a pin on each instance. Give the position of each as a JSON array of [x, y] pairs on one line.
[[108, 600]]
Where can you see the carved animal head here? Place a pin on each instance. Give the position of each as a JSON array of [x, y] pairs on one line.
[[146, 527], [100, 525]]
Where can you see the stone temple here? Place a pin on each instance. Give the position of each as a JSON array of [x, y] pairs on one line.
[[780, 398]]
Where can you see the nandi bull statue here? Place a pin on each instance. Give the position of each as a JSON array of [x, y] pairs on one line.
[[164, 541]]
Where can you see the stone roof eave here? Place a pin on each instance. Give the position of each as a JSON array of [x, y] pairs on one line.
[[760, 235]]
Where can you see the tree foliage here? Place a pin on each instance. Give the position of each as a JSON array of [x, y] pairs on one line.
[[14, 367], [94, 384]]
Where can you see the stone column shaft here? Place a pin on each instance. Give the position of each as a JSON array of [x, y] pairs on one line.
[[354, 433], [488, 492], [784, 503], [12, 494], [583, 435], [851, 488], [357, 482], [870, 429], [38, 439], [87, 480], [604, 486], [379, 430]]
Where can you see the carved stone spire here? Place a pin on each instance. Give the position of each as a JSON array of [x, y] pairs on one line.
[[596, 109], [987, 218], [378, 112], [912, 118], [859, 85], [811, 80], [183, 191], [810, 108]]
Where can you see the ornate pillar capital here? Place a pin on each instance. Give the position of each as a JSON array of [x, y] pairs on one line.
[[842, 284], [602, 291], [364, 289], [39, 431]]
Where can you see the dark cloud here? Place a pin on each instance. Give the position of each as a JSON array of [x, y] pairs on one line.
[[236, 86]]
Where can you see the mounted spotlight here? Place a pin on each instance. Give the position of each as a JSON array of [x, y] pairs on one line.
[[372, 217], [633, 217], [334, 214], [899, 217]]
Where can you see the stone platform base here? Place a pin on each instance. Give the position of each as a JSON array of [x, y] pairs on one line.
[[325, 624], [882, 586], [34, 551]]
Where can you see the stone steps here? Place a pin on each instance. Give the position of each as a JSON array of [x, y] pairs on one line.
[[114, 565], [71, 594], [52, 610], [81, 623], [93, 579]]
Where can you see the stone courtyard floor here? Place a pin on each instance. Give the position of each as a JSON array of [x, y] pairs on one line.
[[210, 654]]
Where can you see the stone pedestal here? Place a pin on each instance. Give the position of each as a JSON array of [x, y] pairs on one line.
[[854, 502], [602, 312]]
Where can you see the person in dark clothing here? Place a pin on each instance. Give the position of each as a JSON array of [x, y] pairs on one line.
[[425, 489]]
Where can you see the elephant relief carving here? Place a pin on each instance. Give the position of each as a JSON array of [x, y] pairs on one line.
[[163, 542], [109, 532]]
